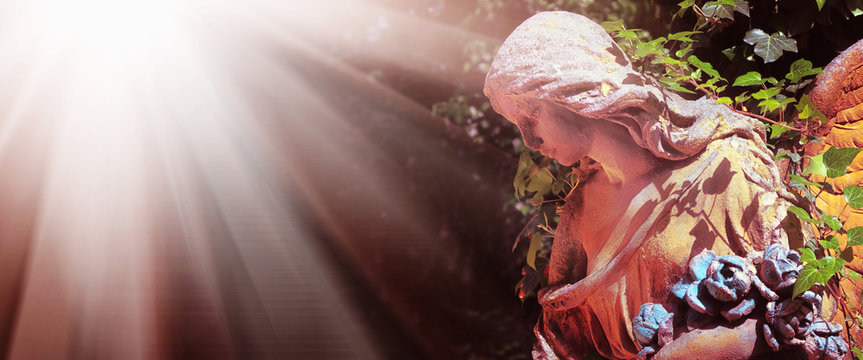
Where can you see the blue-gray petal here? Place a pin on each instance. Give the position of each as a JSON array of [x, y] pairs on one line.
[[699, 263]]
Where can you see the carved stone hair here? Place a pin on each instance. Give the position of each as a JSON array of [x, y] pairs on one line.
[[567, 59], [564, 59]]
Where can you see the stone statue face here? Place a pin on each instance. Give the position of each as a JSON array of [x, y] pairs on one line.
[[568, 61], [555, 132]]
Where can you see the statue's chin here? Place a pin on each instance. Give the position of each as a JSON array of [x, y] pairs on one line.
[[566, 162], [563, 160]]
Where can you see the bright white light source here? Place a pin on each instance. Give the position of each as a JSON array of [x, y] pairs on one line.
[[154, 117], [105, 26]]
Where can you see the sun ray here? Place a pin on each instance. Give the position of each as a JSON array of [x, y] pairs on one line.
[[183, 148]]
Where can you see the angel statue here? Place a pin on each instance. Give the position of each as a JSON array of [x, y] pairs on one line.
[[661, 253]]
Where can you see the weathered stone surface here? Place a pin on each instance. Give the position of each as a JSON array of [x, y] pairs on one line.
[[678, 177], [840, 86]]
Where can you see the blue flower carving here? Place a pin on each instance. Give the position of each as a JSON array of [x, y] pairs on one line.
[[652, 328]]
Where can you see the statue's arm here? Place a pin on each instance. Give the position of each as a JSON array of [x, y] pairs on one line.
[[739, 342]]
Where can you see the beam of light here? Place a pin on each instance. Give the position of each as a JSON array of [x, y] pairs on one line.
[[173, 143], [157, 150], [379, 201]]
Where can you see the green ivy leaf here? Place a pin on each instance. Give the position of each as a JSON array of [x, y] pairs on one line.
[[769, 104], [818, 271], [830, 243], [611, 26], [683, 36], [749, 79], [816, 166], [834, 223], [524, 165], [729, 53], [742, 6], [558, 186], [784, 101], [724, 100], [674, 85], [682, 52], [766, 93], [805, 113], [706, 85], [830, 266], [820, 4], [856, 9], [724, 9], [769, 47], [803, 181], [851, 273], [800, 69], [652, 47], [807, 255], [837, 160], [672, 61], [627, 34], [855, 236], [854, 196], [802, 214], [535, 245], [703, 66], [808, 277], [807, 109], [795, 158], [713, 9], [540, 183]]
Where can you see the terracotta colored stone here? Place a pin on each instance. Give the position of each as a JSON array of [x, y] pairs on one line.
[[740, 342], [840, 85]]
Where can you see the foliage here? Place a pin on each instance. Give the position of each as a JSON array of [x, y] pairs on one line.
[[544, 186], [769, 47]]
